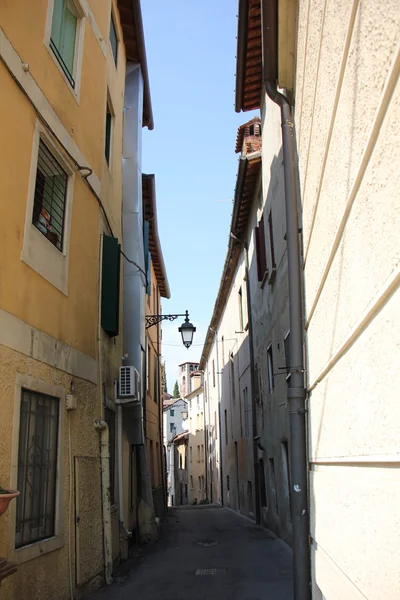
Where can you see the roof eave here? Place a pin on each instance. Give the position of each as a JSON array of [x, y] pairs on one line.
[[163, 283], [232, 255], [147, 107]]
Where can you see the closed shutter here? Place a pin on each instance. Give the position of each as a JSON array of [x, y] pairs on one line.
[[110, 286]]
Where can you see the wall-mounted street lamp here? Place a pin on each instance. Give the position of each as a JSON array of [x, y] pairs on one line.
[[186, 329]]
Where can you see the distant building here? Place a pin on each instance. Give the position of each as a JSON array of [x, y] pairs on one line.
[[175, 420], [197, 442], [185, 371]]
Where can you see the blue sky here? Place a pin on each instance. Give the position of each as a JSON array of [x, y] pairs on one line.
[[191, 49]]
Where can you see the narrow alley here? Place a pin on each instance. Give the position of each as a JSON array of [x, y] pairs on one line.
[[206, 552]]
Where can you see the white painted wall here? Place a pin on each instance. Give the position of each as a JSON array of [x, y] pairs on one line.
[[348, 123]]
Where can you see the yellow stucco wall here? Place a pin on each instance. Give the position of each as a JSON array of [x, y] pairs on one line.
[[153, 408], [347, 122], [71, 319]]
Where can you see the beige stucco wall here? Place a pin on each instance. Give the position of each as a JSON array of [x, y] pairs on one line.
[[347, 123], [47, 576]]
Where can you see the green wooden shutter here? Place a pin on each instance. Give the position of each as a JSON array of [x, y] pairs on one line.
[[110, 285]]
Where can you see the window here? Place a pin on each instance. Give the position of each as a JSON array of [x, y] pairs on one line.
[[107, 146], [260, 250], [191, 454], [114, 39], [263, 491], [191, 482], [285, 467], [246, 410], [250, 495], [286, 342], [171, 427], [49, 198], [240, 302], [227, 483], [273, 484], [180, 461], [198, 453], [172, 412], [148, 366], [271, 245], [37, 467], [151, 463], [155, 379], [226, 426], [202, 453], [213, 373], [110, 420], [232, 377], [270, 365], [199, 483], [63, 36]]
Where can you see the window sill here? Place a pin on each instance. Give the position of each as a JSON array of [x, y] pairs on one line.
[[264, 279], [74, 90], [36, 549], [272, 276]]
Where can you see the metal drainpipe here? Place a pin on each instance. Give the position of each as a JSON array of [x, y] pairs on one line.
[[296, 392], [105, 492]]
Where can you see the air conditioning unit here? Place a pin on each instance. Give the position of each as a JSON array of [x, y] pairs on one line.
[[129, 384]]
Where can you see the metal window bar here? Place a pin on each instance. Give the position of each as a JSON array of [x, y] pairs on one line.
[[62, 63], [37, 468], [50, 197]]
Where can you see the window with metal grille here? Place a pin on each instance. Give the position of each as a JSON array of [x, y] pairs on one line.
[[37, 468], [63, 36], [50, 196]]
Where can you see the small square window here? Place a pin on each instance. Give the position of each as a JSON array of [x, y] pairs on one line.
[[172, 412], [50, 196], [63, 36], [114, 40]]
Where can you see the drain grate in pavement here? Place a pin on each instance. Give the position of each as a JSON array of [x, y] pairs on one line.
[[209, 571], [207, 543]]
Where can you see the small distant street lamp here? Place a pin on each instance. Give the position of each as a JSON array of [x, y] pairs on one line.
[[186, 329]]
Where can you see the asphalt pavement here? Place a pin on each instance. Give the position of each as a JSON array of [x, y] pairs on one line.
[[206, 552]]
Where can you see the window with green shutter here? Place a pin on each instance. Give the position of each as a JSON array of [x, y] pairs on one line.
[[110, 285], [63, 36]]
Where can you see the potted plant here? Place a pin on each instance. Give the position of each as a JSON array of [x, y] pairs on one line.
[[5, 498]]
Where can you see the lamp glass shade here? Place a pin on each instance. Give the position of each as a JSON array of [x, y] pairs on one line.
[[187, 330]]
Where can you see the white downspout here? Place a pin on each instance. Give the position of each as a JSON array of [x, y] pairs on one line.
[[106, 501]]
